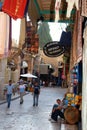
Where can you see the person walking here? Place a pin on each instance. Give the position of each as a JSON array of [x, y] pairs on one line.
[[36, 92], [9, 89], [21, 91]]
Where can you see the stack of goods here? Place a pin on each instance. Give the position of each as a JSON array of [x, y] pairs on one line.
[[72, 99]]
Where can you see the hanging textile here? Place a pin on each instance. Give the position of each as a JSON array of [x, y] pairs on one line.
[[84, 85], [26, 8], [57, 6], [71, 3], [63, 8], [84, 8], [15, 8], [75, 34], [2, 33], [6, 50], [65, 39], [10, 34], [44, 38], [79, 38], [0, 5], [76, 46]]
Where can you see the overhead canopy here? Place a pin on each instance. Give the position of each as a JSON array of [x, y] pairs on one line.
[[28, 75], [45, 10]]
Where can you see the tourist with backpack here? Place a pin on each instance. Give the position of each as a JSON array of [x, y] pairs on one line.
[[36, 92]]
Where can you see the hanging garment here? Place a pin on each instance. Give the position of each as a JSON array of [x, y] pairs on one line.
[[6, 49], [15, 8], [70, 6], [2, 33], [73, 54], [26, 8], [84, 8], [57, 6], [65, 39], [0, 5], [79, 38], [84, 85], [74, 40]]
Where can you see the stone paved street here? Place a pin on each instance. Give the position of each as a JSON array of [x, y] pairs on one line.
[[27, 117]]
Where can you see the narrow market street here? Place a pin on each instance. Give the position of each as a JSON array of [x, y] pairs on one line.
[[27, 117]]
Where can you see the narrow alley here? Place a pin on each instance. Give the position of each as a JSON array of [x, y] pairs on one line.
[[27, 117]]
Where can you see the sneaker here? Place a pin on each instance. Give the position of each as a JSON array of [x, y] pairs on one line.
[[53, 121], [63, 121], [50, 119]]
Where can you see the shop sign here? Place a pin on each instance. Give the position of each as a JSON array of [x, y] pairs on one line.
[[53, 49]]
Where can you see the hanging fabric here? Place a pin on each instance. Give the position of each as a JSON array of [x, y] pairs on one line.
[[0, 5], [65, 39], [6, 49], [74, 40], [71, 3], [26, 8], [2, 33], [63, 8], [77, 41], [84, 8], [73, 56], [79, 38], [10, 34], [15, 8], [57, 6], [84, 85]]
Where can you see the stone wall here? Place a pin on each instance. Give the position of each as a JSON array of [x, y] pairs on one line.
[[3, 66]]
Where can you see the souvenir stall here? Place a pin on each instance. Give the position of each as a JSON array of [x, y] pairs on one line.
[[74, 95], [76, 56]]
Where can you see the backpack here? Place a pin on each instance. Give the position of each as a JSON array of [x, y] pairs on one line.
[[36, 90]]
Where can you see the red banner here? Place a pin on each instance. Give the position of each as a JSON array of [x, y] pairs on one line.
[[14, 8]]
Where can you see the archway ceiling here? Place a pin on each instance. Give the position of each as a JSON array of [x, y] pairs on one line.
[[46, 9]]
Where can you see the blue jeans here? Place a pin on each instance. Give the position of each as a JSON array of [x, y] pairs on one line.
[[35, 99], [9, 100], [57, 113]]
